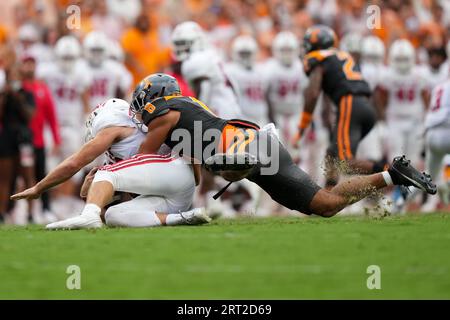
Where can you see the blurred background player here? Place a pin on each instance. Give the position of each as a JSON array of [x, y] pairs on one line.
[[372, 68], [336, 73], [108, 77], [248, 77], [204, 70], [250, 86], [286, 82], [437, 141], [403, 94], [44, 116], [69, 82]]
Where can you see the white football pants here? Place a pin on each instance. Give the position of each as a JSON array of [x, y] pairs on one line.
[[164, 183]]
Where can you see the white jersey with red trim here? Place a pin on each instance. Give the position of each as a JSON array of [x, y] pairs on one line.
[[107, 79], [285, 86], [67, 90], [405, 93], [439, 110], [251, 90], [115, 113], [221, 97]]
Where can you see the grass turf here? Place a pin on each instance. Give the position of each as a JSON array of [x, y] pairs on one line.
[[273, 258]]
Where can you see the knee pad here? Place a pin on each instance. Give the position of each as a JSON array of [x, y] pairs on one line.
[[104, 175]]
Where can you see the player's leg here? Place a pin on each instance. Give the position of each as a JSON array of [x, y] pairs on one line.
[[149, 211], [293, 188], [143, 174], [437, 146]]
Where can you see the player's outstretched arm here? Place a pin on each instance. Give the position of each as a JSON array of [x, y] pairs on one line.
[[312, 93], [70, 166]]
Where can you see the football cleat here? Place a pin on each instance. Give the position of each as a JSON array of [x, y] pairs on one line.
[[83, 221], [231, 162], [404, 174], [195, 216]]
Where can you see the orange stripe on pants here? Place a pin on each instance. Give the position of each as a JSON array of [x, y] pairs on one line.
[[347, 144], [340, 141]]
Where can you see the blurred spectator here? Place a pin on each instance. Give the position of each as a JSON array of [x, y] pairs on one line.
[[104, 21], [127, 10], [45, 114], [16, 111], [144, 54]]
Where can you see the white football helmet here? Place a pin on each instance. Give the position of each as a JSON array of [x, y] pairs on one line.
[[286, 48], [402, 56], [95, 47], [67, 51], [373, 50], [187, 37], [115, 51], [351, 42], [244, 51]]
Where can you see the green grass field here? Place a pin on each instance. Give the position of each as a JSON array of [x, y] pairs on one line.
[[273, 258]]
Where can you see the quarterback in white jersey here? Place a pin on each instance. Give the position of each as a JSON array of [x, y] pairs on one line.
[[249, 79], [69, 83], [203, 69], [108, 78], [166, 184], [405, 90]]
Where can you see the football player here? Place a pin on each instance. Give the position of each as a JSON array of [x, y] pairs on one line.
[[247, 74], [372, 68], [336, 73], [204, 70], [286, 82], [69, 83], [404, 95], [165, 184], [437, 124], [372, 60], [238, 149], [108, 78]]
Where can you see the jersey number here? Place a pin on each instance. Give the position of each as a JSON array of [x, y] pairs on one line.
[[349, 64]]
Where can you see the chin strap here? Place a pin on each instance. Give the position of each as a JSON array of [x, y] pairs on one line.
[[221, 191]]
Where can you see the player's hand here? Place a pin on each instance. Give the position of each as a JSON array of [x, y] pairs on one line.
[[29, 194], [87, 183], [296, 140]]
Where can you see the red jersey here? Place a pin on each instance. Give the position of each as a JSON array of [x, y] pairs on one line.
[[44, 113]]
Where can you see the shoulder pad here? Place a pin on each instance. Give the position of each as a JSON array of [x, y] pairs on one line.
[[315, 58], [155, 109]]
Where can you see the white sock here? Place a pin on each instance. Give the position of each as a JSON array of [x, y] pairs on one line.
[[387, 178], [90, 208]]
